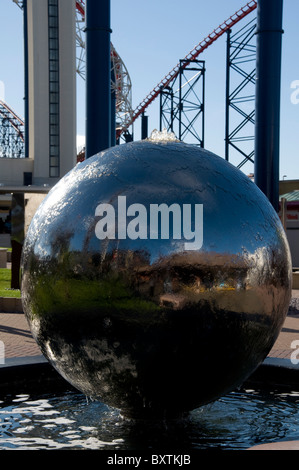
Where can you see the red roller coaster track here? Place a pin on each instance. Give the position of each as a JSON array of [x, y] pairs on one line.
[[80, 8], [203, 45], [193, 54]]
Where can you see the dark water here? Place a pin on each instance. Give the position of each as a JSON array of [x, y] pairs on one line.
[[69, 421]]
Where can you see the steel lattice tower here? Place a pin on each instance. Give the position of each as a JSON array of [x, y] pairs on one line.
[[240, 94], [182, 105]]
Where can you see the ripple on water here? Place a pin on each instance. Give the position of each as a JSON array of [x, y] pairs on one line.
[[70, 421]]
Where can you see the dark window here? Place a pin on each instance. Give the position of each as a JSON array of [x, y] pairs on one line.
[[54, 118]]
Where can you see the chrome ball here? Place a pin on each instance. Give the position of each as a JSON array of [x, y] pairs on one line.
[[155, 277]]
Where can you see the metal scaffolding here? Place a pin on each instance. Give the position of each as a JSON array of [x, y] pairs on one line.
[[182, 105], [11, 133], [240, 94]]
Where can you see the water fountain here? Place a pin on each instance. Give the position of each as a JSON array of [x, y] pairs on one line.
[[142, 264]]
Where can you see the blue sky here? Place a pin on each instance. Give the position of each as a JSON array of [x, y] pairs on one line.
[[151, 38]]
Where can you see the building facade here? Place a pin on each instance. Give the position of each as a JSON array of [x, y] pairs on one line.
[[51, 88], [50, 114]]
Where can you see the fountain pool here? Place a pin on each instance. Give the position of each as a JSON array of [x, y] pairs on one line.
[[68, 420]]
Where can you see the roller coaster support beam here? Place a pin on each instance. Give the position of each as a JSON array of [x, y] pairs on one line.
[[268, 93], [241, 54], [98, 76], [229, 31], [26, 86], [113, 111], [202, 46], [144, 126]]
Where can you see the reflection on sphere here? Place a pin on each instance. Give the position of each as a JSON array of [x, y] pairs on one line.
[[145, 324]]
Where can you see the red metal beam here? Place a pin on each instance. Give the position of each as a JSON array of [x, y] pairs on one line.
[[80, 5]]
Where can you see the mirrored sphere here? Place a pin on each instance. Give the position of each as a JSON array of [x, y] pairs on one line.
[[155, 277]]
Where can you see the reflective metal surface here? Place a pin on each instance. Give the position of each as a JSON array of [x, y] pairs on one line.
[[146, 325]]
